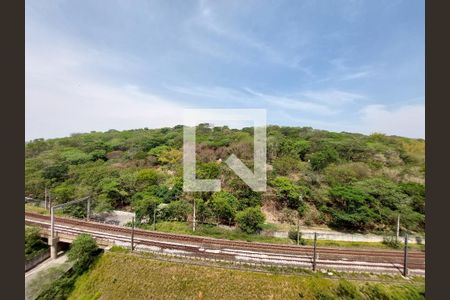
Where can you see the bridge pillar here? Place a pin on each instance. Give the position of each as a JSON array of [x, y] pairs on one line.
[[53, 247]]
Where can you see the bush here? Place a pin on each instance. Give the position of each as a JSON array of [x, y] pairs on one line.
[[177, 211], [319, 160], [251, 219], [147, 177], [289, 193], [144, 207], [224, 206], [56, 172], [323, 295], [346, 290], [292, 234], [375, 291], [33, 241], [392, 242], [353, 208], [82, 251]]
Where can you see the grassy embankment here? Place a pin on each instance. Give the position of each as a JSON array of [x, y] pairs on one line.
[[121, 275]]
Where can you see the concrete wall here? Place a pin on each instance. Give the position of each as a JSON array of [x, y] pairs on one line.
[[350, 237], [31, 263]]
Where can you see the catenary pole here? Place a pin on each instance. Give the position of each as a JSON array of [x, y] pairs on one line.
[[405, 258]]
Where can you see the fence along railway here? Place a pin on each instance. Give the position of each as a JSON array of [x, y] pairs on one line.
[[327, 258]]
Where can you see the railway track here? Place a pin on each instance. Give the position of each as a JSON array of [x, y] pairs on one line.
[[337, 258]]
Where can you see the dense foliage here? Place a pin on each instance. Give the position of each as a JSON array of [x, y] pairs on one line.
[[349, 181], [33, 242], [83, 251], [250, 220]]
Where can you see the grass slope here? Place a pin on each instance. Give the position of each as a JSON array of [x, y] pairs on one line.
[[123, 275]]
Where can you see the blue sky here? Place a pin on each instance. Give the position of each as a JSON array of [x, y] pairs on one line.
[[351, 65]]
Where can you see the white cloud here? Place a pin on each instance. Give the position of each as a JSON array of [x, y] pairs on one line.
[[332, 97], [407, 120], [66, 91], [293, 103], [356, 75]]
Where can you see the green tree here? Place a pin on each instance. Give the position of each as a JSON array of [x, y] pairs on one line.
[[286, 165], [63, 192], [353, 208], [144, 206], [224, 206], [33, 240], [177, 211], [295, 148], [416, 194], [99, 154], [288, 193], [251, 219], [57, 172], [147, 177], [82, 252], [319, 160], [210, 170], [203, 211]]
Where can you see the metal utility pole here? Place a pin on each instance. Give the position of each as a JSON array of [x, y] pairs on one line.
[[132, 234], [405, 257], [53, 241], [398, 227], [49, 199], [53, 238], [45, 198], [88, 208], [315, 254], [298, 220], [154, 219], [52, 222], [193, 217]]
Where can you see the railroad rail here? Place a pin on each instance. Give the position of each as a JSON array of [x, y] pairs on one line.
[[345, 259]]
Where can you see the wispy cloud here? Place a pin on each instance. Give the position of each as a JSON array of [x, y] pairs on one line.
[[210, 34], [406, 120], [294, 103], [332, 97], [67, 92], [339, 65], [356, 75], [319, 102]]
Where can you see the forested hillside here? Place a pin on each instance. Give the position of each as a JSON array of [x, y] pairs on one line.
[[347, 181]]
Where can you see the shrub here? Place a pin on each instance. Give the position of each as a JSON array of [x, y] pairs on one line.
[[323, 295], [33, 241], [57, 172], [177, 210], [375, 291], [144, 207], [292, 234], [286, 165], [251, 219], [75, 156], [147, 177], [289, 193], [392, 242], [346, 290], [319, 160], [224, 206], [82, 251], [353, 208]]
